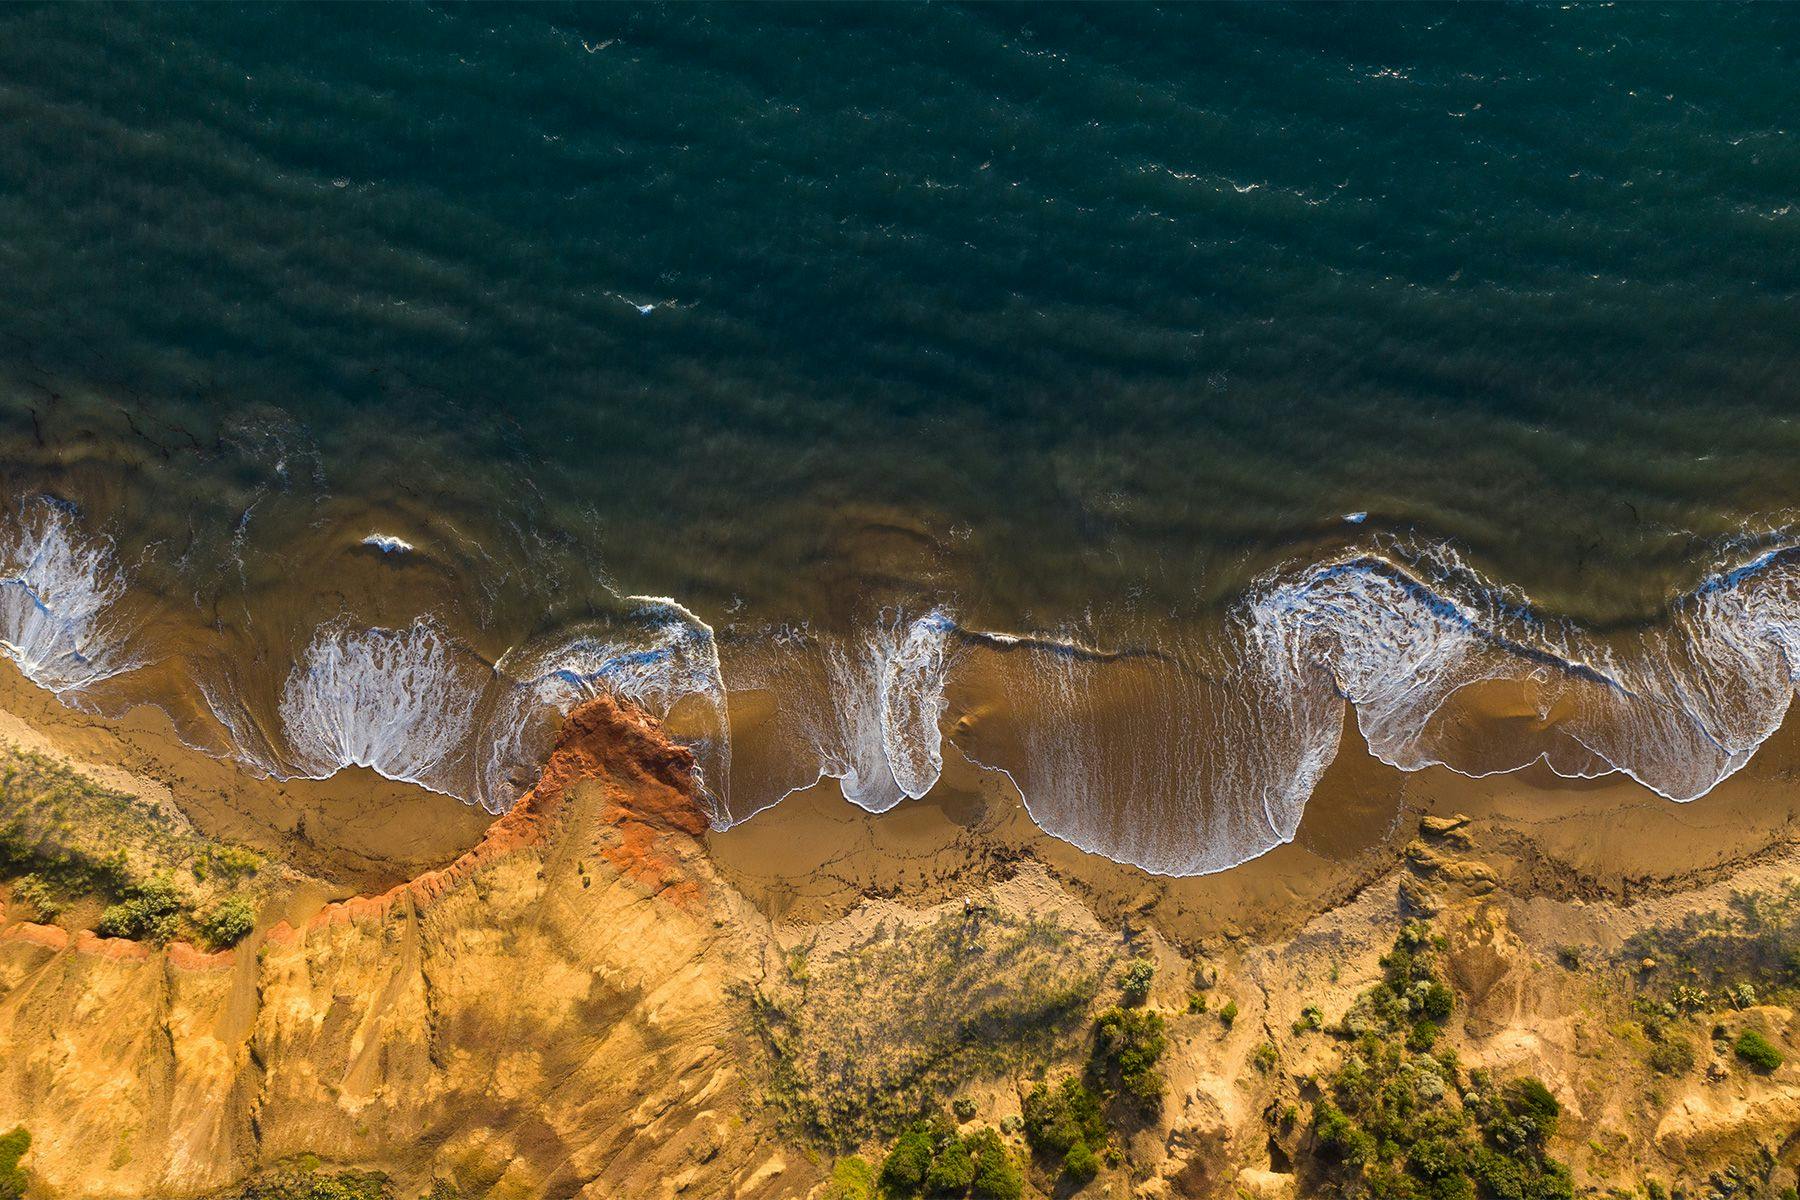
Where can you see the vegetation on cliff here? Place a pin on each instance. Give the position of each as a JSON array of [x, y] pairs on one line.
[[12, 1176], [1399, 1119], [933, 1160], [973, 995], [66, 840]]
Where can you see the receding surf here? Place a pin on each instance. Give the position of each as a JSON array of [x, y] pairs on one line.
[[1180, 753]]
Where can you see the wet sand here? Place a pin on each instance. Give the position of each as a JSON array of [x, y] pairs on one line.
[[356, 831], [815, 855]]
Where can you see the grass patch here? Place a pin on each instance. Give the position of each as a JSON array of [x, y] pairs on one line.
[[862, 1043], [65, 838], [1728, 958], [1756, 1050]]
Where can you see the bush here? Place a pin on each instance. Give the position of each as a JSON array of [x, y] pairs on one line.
[[1756, 1050], [1385, 1127], [228, 862], [1135, 982], [1338, 1134], [151, 912], [1228, 1014], [1056, 1120], [997, 1177], [1672, 1055], [952, 1169], [12, 1178], [1127, 1045], [903, 1171], [851, 1179], [1080, 1163], [228, 922], [41, 895]]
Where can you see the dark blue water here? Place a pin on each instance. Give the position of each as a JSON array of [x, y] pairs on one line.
[[1074, 320]]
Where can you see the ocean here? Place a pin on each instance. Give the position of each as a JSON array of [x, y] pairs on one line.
[[1134, 401]]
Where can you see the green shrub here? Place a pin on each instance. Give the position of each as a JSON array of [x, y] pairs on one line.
[[852, 1178], [228, 922], [1228, 1014], [1265, 1058], [1127, 1046], [228, 862], [1422, 1036], [997, 1177], [1080, 1163], [903, 1171], [151, 912], [302, 1180], [1056, 1119], [12, 1177], [40, 894], [1136, 979], [1672, 1054], [952, 1169], [1756, 1050], [1387, 1126], [964, 1108], [1339, 1135]]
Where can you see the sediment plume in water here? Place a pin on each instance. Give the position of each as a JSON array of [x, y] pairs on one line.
[[1181, 754]]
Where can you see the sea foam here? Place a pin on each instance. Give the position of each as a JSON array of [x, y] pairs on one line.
[[59, 591], [863, 710], [1181, 754], [662, 658], [400, 702]]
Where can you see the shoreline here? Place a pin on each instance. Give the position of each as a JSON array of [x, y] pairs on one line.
[[815, 856]]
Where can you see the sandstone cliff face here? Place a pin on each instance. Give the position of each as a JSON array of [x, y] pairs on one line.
[[547, 1016]]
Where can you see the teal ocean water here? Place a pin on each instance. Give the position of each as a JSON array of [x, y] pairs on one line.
[[1121, 398]]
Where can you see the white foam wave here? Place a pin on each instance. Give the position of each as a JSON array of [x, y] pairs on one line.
[[881, 740], [665, 660], [1185, 762], [388, 543], [400, 702], [1679, 708], [59, 591], [863, 711], [1182, 758]]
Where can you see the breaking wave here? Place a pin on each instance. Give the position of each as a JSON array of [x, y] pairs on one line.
[[864, 712], [58, 601], [400, 702], [665, 660], [1181, 754]]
